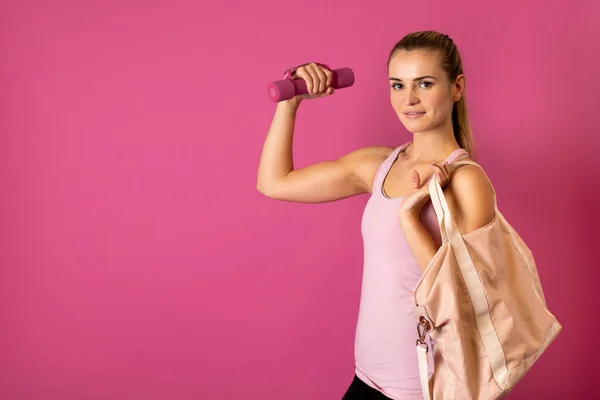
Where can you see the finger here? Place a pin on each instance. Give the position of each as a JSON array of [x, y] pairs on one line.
[[445, 168], [439, 171], [308, 77], [451, 168], [416, 180], [301, 73], [322, 77], [329, 75], [327, 92], [314, 72], [442, 180]]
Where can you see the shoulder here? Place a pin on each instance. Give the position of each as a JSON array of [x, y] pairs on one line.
[[371, 153], [367, 157], [471, 179], [365, 162], [472, 198]]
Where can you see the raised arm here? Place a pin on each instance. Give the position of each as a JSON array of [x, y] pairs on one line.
[[325, 181]]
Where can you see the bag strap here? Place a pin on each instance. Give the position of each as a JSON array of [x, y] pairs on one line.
[[439, 212], [423, 373], [470, 276]]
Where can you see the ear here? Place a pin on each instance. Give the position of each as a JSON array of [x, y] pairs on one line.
[[458, 88]]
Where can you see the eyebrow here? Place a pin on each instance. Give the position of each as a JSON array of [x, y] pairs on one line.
[[416, 79]]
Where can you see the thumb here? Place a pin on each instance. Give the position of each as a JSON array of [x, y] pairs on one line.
[[416, 180]]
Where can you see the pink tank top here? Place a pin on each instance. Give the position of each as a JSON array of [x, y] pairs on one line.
[[386, 331]]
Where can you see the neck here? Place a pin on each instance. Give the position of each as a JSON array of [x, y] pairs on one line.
[[433, 145]]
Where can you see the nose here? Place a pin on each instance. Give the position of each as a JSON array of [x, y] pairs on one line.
[[410, 96]]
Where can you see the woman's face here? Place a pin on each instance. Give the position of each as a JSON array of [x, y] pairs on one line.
[[419, 84]]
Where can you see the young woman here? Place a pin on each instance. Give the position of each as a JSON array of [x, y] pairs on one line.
[[399, 226]]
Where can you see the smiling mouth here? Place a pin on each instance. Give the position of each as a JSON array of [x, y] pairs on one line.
[[413, 115]]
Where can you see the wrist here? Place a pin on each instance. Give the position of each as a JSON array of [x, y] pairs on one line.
[[408, 218], [291, 104]]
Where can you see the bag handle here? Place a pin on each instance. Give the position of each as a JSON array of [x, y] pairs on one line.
[[439, 210], [470, 276]]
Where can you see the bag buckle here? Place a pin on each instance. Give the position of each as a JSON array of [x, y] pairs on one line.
[[426, 326]]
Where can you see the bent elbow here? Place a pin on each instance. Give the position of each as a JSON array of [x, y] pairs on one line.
[[264, 191]]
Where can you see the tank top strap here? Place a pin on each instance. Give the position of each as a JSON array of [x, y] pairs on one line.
[[456, 155], [385, 166]]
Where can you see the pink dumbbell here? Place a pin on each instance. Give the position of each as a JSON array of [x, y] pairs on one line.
[[285, 89]]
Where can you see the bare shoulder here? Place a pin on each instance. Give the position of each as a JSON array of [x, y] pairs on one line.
[[470, 178], [471, 198], [365, 161]]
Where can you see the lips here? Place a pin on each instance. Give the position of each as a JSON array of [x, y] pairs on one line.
[[414, 115]]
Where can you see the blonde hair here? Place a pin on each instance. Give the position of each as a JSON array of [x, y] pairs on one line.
[[452, 64]]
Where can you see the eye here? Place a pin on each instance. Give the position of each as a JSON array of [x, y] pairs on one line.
[[394, 86]]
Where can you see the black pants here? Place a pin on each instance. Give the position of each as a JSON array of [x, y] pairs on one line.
[[359, 390]]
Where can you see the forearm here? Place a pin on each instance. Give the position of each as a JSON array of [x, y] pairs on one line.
[[276, 159], [419, 240]]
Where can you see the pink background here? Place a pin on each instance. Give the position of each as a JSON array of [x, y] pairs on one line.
[[138, 260]]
